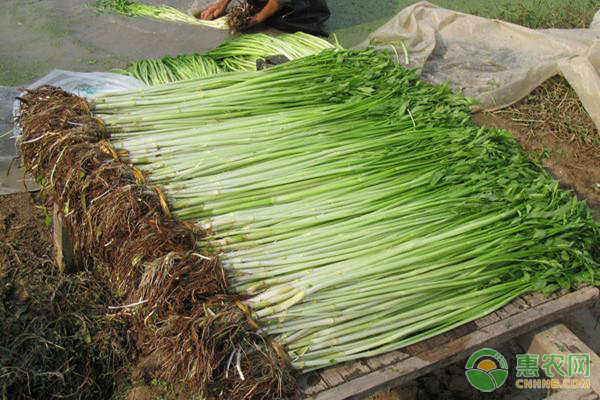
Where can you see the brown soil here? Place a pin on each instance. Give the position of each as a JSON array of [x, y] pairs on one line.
[[145, 393], [58, 339], [21, 223], [552, 124]]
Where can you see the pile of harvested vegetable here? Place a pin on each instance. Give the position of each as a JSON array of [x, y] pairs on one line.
[[238, 19], [354, 209], [238, 54], [356, 203], [160, 12]]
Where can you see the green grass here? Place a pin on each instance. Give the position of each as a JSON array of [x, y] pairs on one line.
[[353, 20], [537, 14]]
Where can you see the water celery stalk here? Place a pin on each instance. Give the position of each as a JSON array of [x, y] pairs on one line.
[[161, 12], [238, 54]]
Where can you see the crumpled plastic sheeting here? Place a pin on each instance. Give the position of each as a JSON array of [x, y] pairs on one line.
[[496, 62], [88, 84], [12, 178]]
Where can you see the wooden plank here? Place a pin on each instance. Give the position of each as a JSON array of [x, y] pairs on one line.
[[558, 339], [521, 304], [64, 251], [503, 314], [535, 299], [332, 376], [312, 383], [354, 369], [517, 306], [347, 371], [487, 320], [511, 308], [408, 369], [440, 340], [386, 359]]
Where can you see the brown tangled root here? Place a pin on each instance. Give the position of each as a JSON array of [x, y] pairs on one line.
[[179, 297], [240, 16], [220, 353]]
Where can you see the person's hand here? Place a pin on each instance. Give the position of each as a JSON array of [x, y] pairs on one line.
[[269, 10], [215, 10], [253, 21]]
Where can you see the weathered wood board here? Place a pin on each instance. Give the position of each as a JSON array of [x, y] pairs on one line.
[[558, 339], [64, 251], [359, 379]]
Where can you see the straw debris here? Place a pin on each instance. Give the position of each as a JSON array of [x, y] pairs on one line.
[[58, 338]]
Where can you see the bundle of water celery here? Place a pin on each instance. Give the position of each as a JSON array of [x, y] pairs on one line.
[[357, 207]]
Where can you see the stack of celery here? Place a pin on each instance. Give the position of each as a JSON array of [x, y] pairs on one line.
[[172, 69], [356, 203], [238, 54]]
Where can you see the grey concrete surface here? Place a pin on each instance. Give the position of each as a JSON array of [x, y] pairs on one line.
[[37, 36], [40, 35]]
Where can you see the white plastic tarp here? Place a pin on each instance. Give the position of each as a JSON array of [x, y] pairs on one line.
[[88, 84], [496, 62]]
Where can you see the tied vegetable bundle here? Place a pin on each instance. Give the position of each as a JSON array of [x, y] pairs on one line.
[[161, 12], [355, 207], [239, 54]]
